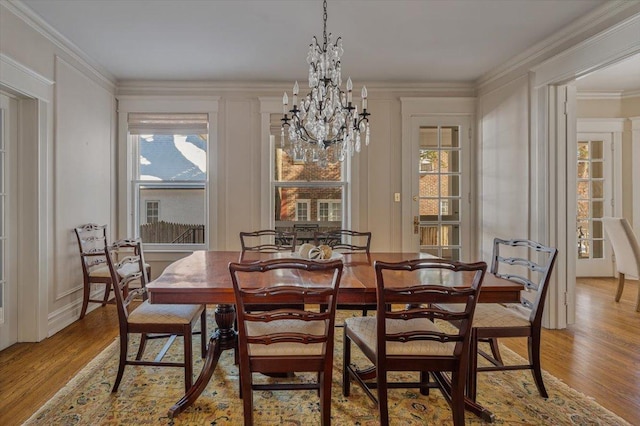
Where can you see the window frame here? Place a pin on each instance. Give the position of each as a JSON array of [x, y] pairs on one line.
[[156, 208], [127, 163], [331, 202]]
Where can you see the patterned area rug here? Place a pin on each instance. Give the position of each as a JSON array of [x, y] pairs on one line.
[[146, 393]]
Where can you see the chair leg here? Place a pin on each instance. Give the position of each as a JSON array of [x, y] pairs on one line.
[[620, 286], [143, 345], [534, 357], [188, 358], [495, 350], [85, 300], [346, 360], [203, 333], [424, 379], [247, 394], [325, 397], [107, 290], [457, 398], [472, 373], [383, 403], [124, 344]]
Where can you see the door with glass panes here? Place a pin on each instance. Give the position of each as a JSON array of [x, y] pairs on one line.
[[441, 186], [594, 196]]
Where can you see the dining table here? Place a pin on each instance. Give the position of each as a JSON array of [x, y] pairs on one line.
[[203, 278]]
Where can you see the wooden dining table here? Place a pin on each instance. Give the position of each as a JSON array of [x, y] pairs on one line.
[[203, 278]]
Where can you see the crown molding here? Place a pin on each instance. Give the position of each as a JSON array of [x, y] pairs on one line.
[[22, 11], [547, 47], [376, 89]]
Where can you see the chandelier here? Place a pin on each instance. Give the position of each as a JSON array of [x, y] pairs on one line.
[[324, 126]]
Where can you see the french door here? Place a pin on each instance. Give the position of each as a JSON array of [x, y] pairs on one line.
[[594, 197], [440, 186]]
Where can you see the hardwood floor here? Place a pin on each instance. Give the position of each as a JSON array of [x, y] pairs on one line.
[[598, 355]]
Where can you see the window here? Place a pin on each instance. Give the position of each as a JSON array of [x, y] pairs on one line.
[[153, 208], [170, 162], [329, 210], [302, 210], [305, 192]]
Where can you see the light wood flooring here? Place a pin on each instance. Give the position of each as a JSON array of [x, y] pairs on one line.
[[599, 355]]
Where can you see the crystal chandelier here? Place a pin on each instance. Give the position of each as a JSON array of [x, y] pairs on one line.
[[324, 127]]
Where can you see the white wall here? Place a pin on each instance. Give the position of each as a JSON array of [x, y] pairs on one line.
[[70, 160], [504, 163]]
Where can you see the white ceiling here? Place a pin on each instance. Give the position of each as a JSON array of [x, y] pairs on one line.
[[621, 77], [267, 40]]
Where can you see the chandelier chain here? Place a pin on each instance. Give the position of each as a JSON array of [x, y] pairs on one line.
[[324, 20]]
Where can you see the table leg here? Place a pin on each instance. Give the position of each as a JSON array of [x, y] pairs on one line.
[[223, 339]]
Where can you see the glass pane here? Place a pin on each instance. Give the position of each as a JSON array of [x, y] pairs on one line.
[[428, 136], [180, 215], [583, 150], [598, 252], [450, 209], [597, 229], [597, 150], [450, 235], [429, 185], [431, 250], [429, 235], [316, 203], [583, 229], [450, 162], [292, 168], [597, 189], [583, 210], [173, 157], [583, 249], [450, 253], [597, 170], [429, 209], [583, 190], [429, 161], [450, 137], [597, 209], [450, 185], [583, 170]]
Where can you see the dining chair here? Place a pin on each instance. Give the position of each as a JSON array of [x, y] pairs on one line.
[[284, 339], [150, 320], [347, 241], [626, 250], [267, 240], [412, 336], [92, 241], [344, 240], [529, 263]]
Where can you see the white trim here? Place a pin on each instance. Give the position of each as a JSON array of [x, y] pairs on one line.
[[57, 39], [635, 190], [600, 125], [547, 47], [168, 104], [16, 76]]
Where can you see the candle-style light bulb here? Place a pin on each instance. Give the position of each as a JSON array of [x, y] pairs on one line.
[[349, 89], [295, 94], [285, 102], [364, 97]]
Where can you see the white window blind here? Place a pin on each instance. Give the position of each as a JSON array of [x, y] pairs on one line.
[[162, 123]]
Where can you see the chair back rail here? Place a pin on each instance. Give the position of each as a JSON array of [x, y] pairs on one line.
[[344, 240], [267, 240]]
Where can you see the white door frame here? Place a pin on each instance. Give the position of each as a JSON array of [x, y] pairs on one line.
[[35, 195], [610, 128], [415, 110], [553, 219]]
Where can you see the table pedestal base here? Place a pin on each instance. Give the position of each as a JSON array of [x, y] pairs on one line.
[[223, 339]]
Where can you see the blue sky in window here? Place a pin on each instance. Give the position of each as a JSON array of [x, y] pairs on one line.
[[173, 157]]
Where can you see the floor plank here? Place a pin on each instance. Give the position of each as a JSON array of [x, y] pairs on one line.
[[598, 355]]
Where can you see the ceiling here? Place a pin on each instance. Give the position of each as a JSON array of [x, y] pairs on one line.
[[267, 40]]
